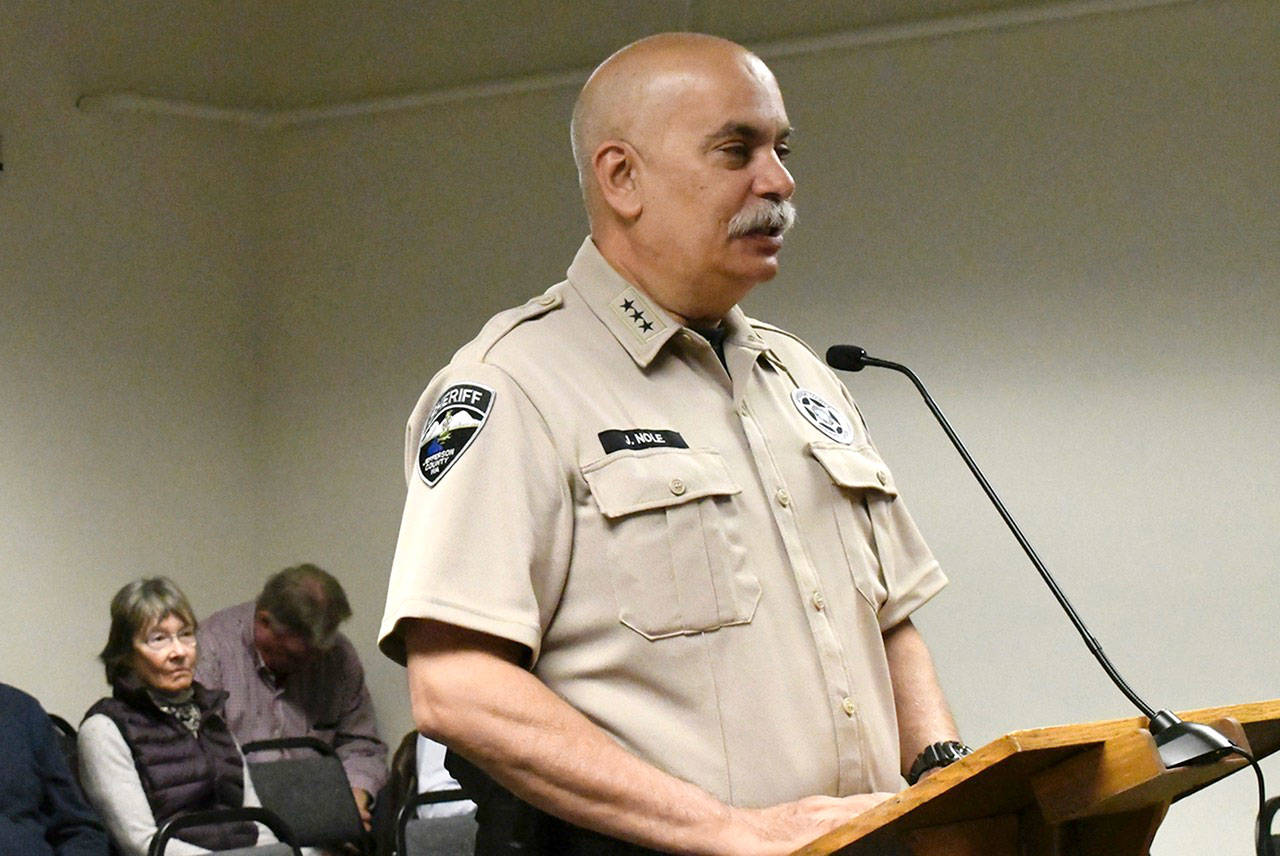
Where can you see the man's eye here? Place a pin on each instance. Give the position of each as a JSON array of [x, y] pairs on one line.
[[782, 150], [737, 151]]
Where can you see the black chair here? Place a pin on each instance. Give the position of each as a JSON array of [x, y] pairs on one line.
[[210, 817], [1270, 840], [66, 734], [434, 836], [312, 793]]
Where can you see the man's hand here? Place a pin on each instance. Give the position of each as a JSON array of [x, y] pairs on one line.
[[785, 828], [362, 805]]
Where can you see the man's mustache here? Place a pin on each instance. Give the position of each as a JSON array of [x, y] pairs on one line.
[[770, 216]]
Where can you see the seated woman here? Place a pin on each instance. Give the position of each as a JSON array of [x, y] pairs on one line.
[[159, 746]]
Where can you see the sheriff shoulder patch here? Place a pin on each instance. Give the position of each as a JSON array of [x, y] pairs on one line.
[[821, 415], [455, 420]]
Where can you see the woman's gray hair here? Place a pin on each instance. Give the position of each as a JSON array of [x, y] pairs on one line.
[[306, 600], [134, 608]]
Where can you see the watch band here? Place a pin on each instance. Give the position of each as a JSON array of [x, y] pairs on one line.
[[936, 755]]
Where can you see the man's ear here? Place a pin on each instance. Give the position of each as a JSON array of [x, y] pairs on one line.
[[616, 166]]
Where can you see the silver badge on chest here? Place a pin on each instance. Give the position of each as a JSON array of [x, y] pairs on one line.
[[821, 415]]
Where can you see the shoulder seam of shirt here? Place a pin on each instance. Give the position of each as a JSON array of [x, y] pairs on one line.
[[542, 419], [524, 393], [766, 326], [848, 396]]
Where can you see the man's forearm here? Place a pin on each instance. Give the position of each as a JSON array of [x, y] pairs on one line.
[[365, 761], [356, 740], [482, 703], [922, 711], [543, 750]]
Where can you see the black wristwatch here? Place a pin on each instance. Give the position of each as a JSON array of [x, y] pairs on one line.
[[936, 755]]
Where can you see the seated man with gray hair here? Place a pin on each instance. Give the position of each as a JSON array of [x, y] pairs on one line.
[[289, 672]]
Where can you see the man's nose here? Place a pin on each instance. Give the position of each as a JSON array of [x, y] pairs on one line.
[[774, 180]]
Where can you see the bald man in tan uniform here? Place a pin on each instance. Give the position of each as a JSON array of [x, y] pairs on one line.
[[652, 576]]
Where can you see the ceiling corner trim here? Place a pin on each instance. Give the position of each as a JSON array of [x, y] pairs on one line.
[[134, 102], [996, 19], [275, 119]]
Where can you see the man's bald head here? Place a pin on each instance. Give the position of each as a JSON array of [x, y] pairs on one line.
[[627, 95], [680, 141]]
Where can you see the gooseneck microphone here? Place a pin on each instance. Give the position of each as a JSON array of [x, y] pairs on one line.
[[1180, 743]]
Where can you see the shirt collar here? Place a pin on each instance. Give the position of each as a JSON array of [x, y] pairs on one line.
[[639, 324]]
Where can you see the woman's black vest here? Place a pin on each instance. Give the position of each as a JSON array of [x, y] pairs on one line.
[[180, 771]]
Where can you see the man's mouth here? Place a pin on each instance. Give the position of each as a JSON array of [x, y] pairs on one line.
[[770, 232]]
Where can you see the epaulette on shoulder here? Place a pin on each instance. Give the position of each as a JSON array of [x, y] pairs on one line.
[[770, 328], [504, 322]]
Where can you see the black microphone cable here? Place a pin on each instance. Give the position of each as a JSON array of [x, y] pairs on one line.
[[1262, 827], [1262, 831]]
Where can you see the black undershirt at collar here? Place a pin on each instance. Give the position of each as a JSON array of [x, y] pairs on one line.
[[715, 336]]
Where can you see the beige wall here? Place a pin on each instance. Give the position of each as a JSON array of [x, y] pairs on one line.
[[394, 240], [1068, 229], [127, 365]]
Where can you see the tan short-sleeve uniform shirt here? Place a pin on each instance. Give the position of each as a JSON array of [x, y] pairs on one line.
[[700, 561]]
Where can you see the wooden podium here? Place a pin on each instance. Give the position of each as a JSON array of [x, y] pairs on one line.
[[1096, 789]]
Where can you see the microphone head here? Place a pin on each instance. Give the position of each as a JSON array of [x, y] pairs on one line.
[[846, 358]]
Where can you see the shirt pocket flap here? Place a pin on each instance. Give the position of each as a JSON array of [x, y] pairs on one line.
[[626, 482], [856, 467]]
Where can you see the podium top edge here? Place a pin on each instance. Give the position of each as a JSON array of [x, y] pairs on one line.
[[1064, 735]]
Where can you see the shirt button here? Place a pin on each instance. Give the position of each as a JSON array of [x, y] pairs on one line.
[[784, 498], [546, 300], [677, 486], [883, 477], [847, 705], [819, 602], [743, 410]]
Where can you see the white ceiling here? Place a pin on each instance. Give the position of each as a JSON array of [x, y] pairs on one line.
[[281, 54]]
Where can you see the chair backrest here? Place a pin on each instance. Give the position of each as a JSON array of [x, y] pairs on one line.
[[209, 817], [434, 836], [66, 734], [402, 783], [312, 793]]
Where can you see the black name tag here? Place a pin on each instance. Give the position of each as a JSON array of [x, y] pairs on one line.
[[616, 440]]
